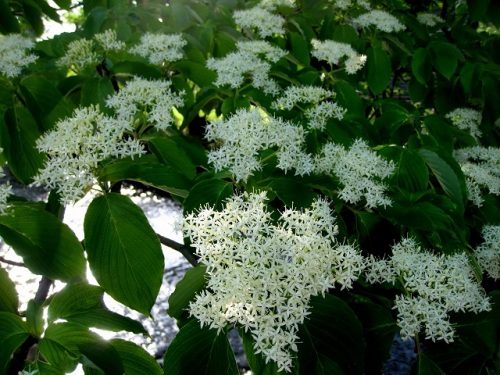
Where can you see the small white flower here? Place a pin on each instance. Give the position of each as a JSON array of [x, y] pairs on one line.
[[13, 54], [265, 22], [79, 54], [333, 52], [160, 48], [360, 171], [263, 272], [108, 40], [488, 253], [481, 167], [272, 5], [381, 20], [429, 19], [466, 119], [152, 99]]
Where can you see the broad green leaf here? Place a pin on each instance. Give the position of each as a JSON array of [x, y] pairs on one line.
[[293, 193], [345, 34], [440, 130], [212, 192], [379, 69], [13, 332], [196, 72], [33, 16], [170, 153], [123, 251], [420, 215], [445, 175], [348, 98], [34, 318], [64, 341], [9, 300], [477, 8], [331, 339], [8, 22], [299, 48], [64, 4], [411, 172], [425, 366], [148, 171], [445, 58], [136, 360], [96, 91], [83, 304], [257, 361], [136, 68], [21, 152], [193, 282], [421, 66], [198, 350], [470, 76], [48, 246], [379, 328]]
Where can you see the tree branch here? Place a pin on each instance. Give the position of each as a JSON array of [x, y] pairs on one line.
[[11, 262], [183, 249]]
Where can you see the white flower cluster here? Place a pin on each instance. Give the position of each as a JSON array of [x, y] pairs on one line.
[[244, 135], [320, 112], [466, 119], [429, 19], [332, 52], [359, 170], [262, 20], [151, 99], [79, 54], [262, 275], [272, 5], [252, 59], [77, 145], [435, 285], [345, 4], [108, 40], [13, 54], [381, 20], [160, 48], [481, 167], [488, 253]]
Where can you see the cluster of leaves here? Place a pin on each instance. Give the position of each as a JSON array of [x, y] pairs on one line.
[[397, 103]]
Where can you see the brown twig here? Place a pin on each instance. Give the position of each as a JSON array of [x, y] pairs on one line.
[[11, 262], [183, 249]]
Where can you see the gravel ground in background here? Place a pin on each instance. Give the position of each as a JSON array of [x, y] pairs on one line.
[[162, 213]]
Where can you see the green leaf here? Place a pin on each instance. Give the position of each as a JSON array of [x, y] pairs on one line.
[[425, 366], [83, 304], [8, 295], [445, 175], [20, 149], [421, 66], [136, 68], [212, 192], [196, 72], [33, 16], [293, 193], [136, 360], [13, 332], [477, 8], [170, 153], [64, 4], [348, 98], [445, 58], [345, 34], [96, 91], [123, 251], [64, 342], [299, 48], [148, 171], [331, 339], [8, 22], [257, 361], [379, 69], [420, 215], [411, 172], [193, 282], [34, 318], [48, 246], [198, 350]]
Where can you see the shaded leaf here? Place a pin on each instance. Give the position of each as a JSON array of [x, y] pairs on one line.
[[379, 69], [123, 251], [169, 153], [8, 295], [193, 282], [212, 192], [13, 332]]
